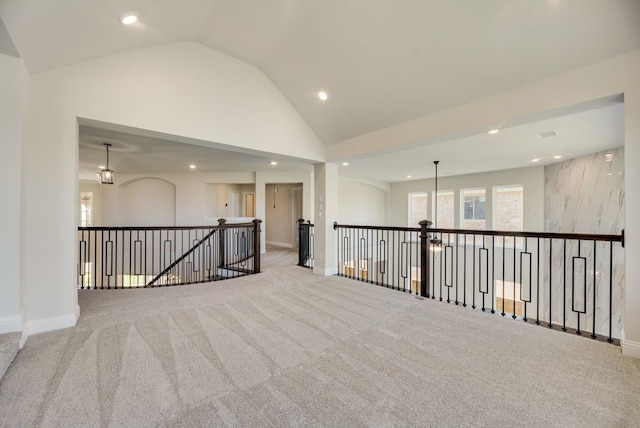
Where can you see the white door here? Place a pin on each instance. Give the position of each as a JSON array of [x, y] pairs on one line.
[[249, 205], [234, 206]]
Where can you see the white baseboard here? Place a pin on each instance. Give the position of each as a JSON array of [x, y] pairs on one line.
[[325, 272], [280, 244], [48, 324], [10, 324], [630, 348]]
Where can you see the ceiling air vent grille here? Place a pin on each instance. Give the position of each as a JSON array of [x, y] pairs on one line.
[[548, 134]]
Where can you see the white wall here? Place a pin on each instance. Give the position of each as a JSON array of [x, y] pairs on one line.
[[147, 202], [12, 77], [631, 318], [363, 202], [265, 177], [181, 89], [194, 205], [532, 180], [217, 198], [280, 223], [326, 211]]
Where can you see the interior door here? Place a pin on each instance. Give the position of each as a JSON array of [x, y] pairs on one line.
[[234, 204], [250, 204]]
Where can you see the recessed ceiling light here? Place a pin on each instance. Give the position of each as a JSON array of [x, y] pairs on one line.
[[494, 131], [323, 95], [192, 166], [609, 174], [128, 18], [345, 163], [273, 163], [102, 167], [547, 134], [408, 176], [557, 157], [535, 160]]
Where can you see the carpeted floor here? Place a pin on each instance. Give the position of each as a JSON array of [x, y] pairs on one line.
[[289, 348], [9, 344]]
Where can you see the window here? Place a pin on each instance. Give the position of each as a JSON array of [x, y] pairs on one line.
[[508, 208], [474, 212], [474, 208], [417, 208], [508, 212], [446, 210], [86, 209]]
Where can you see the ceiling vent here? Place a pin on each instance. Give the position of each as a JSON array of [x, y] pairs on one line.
[[547, 134]]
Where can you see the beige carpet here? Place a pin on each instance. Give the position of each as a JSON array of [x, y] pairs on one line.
[[9, 344], [288, 348]]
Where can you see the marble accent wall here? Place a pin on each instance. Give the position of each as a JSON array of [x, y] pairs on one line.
[[585, 195]]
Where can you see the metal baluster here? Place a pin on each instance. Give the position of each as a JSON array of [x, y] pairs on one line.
[[464, 271], [514, 278], [550, 278], [610, 339], [473, 276], [492, 288], [503, 273], [593, 314], [539, 265], [564, 285]]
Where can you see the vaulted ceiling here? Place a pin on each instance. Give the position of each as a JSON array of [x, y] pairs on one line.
[[382, 62]]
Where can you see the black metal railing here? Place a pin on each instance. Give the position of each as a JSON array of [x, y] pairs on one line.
[[132, 257], [573, 282], [305, 244]]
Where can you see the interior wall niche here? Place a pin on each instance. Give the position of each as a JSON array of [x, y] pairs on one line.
[[229, 200], [147, 201]]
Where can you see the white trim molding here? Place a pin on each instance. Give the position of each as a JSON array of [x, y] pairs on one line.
[[279, 244], [325, 272], [630, 348], [10, 324], [48, 324]]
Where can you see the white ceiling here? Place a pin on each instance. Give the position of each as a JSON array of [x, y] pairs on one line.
[[383, 62], [138, 153], [578, 134]]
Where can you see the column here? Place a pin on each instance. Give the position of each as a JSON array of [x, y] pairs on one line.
[[326, 213], [631, 317]]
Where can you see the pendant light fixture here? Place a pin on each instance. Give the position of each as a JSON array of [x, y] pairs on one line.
[[436, 243], [106, 175]]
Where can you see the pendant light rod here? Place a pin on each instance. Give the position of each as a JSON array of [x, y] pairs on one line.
[[107, 145], [436, 243], [435, 222]]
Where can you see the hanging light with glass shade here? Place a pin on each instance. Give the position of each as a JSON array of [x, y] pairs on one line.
[[106, 175]]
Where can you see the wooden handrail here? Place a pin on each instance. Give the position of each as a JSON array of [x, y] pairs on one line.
[[551, 235]]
